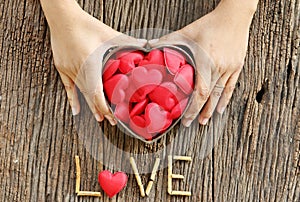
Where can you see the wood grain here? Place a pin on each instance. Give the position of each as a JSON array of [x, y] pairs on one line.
[[255, 158]]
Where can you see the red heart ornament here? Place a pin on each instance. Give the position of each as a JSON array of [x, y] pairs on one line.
[[157, 119], [154, 57], [139, 108], [148, 92], [110, 69], [129, 60], [179, 108], [141, 77], [138, 125], [112, 183], [115, 88], [163, 97], [184, 78], [173, 60], [122, 112]]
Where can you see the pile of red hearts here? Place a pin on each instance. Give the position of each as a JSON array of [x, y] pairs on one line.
[[148, 91]]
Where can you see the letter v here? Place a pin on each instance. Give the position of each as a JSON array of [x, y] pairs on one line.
[[138, 177]]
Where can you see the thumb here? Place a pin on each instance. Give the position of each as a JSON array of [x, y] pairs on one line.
[[101, 105]]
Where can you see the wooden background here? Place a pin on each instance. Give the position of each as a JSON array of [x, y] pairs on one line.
[[257, 158]]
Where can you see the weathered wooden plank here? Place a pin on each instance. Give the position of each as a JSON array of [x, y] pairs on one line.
[[256, 158]]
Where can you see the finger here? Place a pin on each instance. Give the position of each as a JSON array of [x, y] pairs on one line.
[[101, 105], [227, 93], [98, 116], [71, 93], [213, 100], [200, 96]]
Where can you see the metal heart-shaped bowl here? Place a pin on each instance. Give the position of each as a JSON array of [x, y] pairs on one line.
[[110, 54]]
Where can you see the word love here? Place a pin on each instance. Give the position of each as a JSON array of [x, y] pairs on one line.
[[171, 176], [114, 183], [148, 91]]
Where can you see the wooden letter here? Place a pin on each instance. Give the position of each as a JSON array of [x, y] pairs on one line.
[[176, 176], [77, 187], [138, 178]]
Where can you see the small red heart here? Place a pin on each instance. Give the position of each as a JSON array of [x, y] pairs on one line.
[[110, 69], [133, 94], [184, 78], [173, 60], [155, 56], [138, 125], [141, 77], [170, 86], [122, 112], [112, 183], [129, 60], [163, 97], [157, 119], [179, 108], [162, 69], [139, 108], [115, 88]]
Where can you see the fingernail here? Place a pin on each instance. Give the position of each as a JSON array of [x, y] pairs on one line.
[[204, 121], [111, 120], [153, 41], [221, 111], [98, 117], [74, 111], [187, 123]]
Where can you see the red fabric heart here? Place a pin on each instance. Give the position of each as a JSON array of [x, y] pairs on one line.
[[157, 119], [122, 112], [154, 57], [162, 69], [141, 77], [170, 86], [173, 60], [144, 81], [129, 60], [139, 108], [138, 125], [115, 88], [112, 183], [179, 108], [110, 69], [163, 97], [185, 78], [131, 93]]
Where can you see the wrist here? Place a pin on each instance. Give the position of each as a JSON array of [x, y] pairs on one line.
[[238, 9], [61, 13], [236, 14], [247, 7]]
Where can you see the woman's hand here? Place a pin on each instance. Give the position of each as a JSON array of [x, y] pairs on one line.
[[219, 43], [79, 42]]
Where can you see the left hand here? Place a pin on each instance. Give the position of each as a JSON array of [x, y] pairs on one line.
[[219, 43]]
